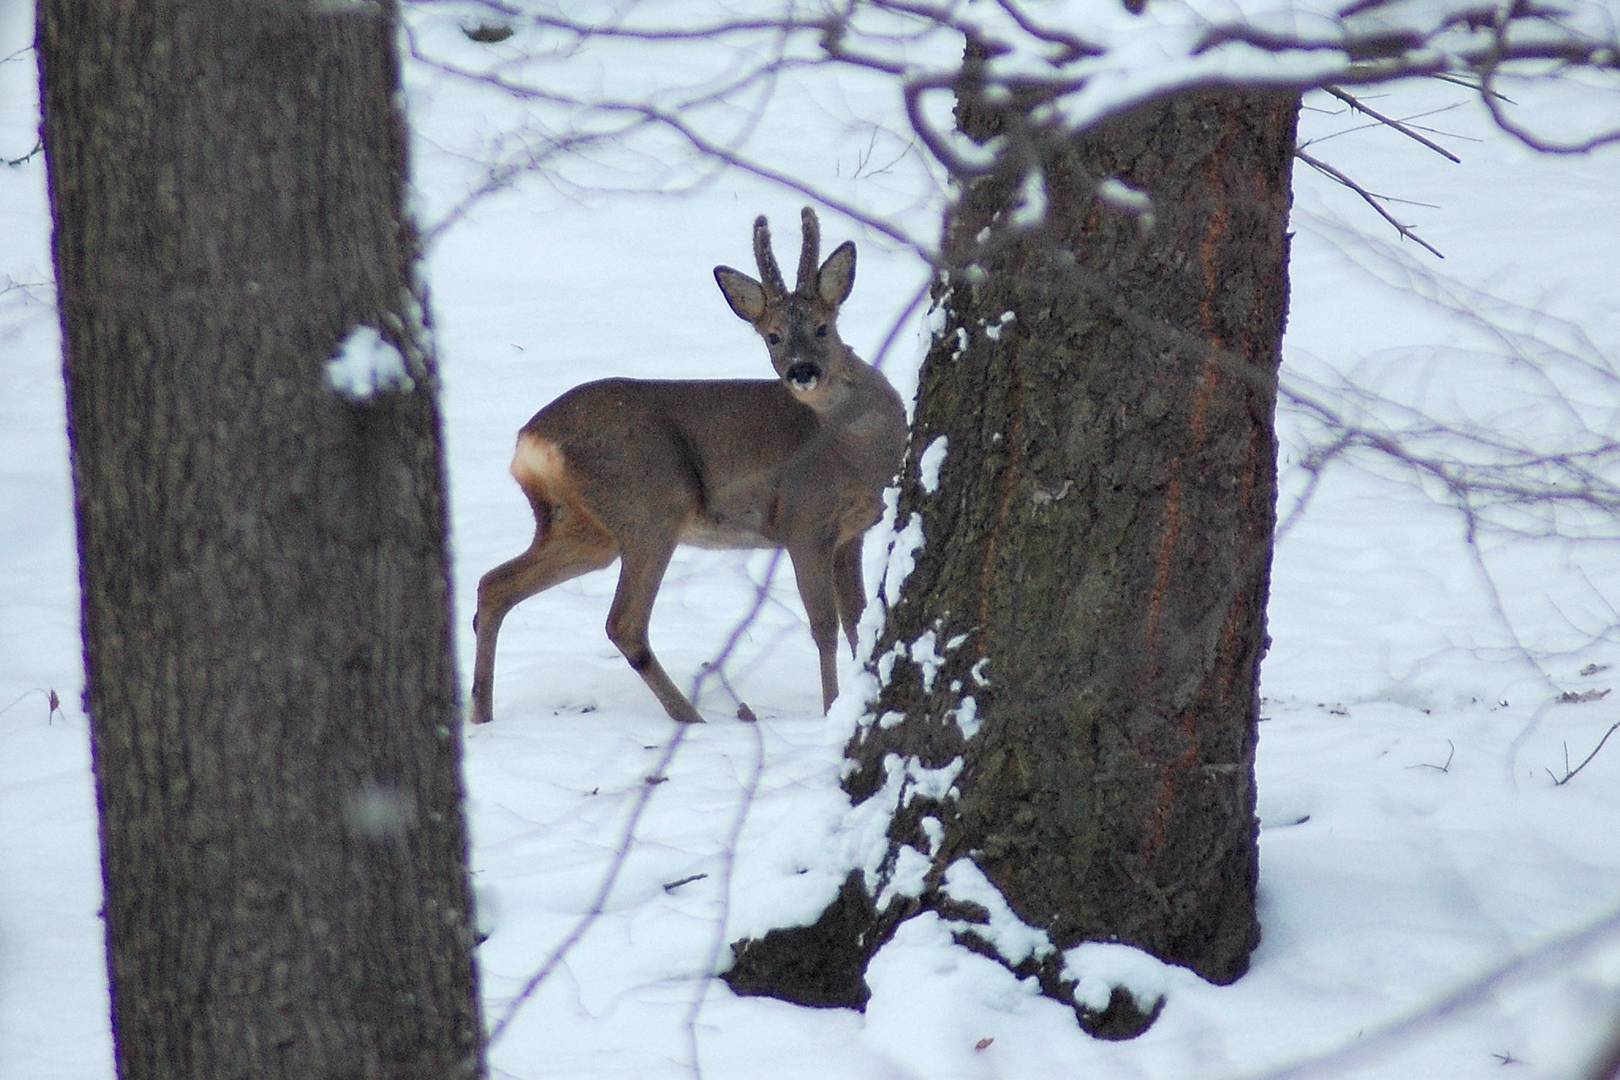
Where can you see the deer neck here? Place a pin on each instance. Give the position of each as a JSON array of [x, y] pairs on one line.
[[863, 417]]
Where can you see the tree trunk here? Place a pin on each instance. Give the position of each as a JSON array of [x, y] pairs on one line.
[[265, 592], [1069, 676]]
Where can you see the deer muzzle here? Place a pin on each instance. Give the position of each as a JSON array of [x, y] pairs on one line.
[[803, 376]]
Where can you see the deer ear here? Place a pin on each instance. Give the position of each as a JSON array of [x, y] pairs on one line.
[[745, 295], [837, 275]]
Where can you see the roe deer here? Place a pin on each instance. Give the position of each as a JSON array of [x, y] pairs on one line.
[[630, 468]]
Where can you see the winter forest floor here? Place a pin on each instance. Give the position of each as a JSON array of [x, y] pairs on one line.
[[1431, 675]]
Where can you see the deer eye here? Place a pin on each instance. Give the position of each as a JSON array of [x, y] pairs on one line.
[[821, 331], [774, 338]]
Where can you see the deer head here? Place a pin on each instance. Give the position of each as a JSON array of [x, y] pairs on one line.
[[800, 328]]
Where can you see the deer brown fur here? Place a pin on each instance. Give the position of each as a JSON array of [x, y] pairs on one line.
[[630, 468]]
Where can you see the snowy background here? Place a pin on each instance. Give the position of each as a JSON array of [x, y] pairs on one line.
[[1420, 869]]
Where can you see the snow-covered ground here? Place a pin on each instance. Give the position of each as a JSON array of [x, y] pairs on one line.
[[1413, 841]]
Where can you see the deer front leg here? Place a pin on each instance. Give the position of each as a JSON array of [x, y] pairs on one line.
[[813, 569], [850, 586], [640, 574]]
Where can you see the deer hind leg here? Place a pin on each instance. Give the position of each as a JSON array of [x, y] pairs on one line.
[[565, 546], [640, 574], [850, 586], [813, 566]]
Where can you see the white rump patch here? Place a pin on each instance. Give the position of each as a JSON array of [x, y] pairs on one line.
[[536, 459]]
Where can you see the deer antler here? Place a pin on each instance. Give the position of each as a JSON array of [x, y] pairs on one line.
[[810, 254], [770, 275]]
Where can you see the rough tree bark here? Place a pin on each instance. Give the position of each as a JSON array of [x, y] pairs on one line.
[[1069, 676], [265, 607]]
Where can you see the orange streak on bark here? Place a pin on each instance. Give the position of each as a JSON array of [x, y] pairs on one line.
[[1207, 386], [1250, 469], [1164, 809], [1167, 550]]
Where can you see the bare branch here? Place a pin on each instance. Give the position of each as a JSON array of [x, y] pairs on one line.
[[786, 24], [876, 35], [1369, 1044], [728, 863], [1072, 47], [1371, 199], [1569, 773], [1446, 768], [1481, 41], [1502, 52], [1493, 103], [39, 145], [640, 114], [1411, 133], [598, 902]]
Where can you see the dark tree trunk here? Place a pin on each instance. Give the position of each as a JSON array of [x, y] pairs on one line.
[[1082, 632], [265, 590]]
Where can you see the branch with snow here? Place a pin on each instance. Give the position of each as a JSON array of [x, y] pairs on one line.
[[1054, 72]]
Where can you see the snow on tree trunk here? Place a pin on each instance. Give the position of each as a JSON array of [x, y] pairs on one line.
[[270, 680], [1063, 736]]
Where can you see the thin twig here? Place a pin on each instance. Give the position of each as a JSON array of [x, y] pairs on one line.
[[1491, 64], [1370, 1043], [39, 145], [1389, 121], [728, 864], [1370, 199], [1446, 768], [671, 886], [53, 704], [1569, 773]]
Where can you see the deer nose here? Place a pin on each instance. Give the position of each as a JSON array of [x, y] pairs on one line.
[[803, 376]]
